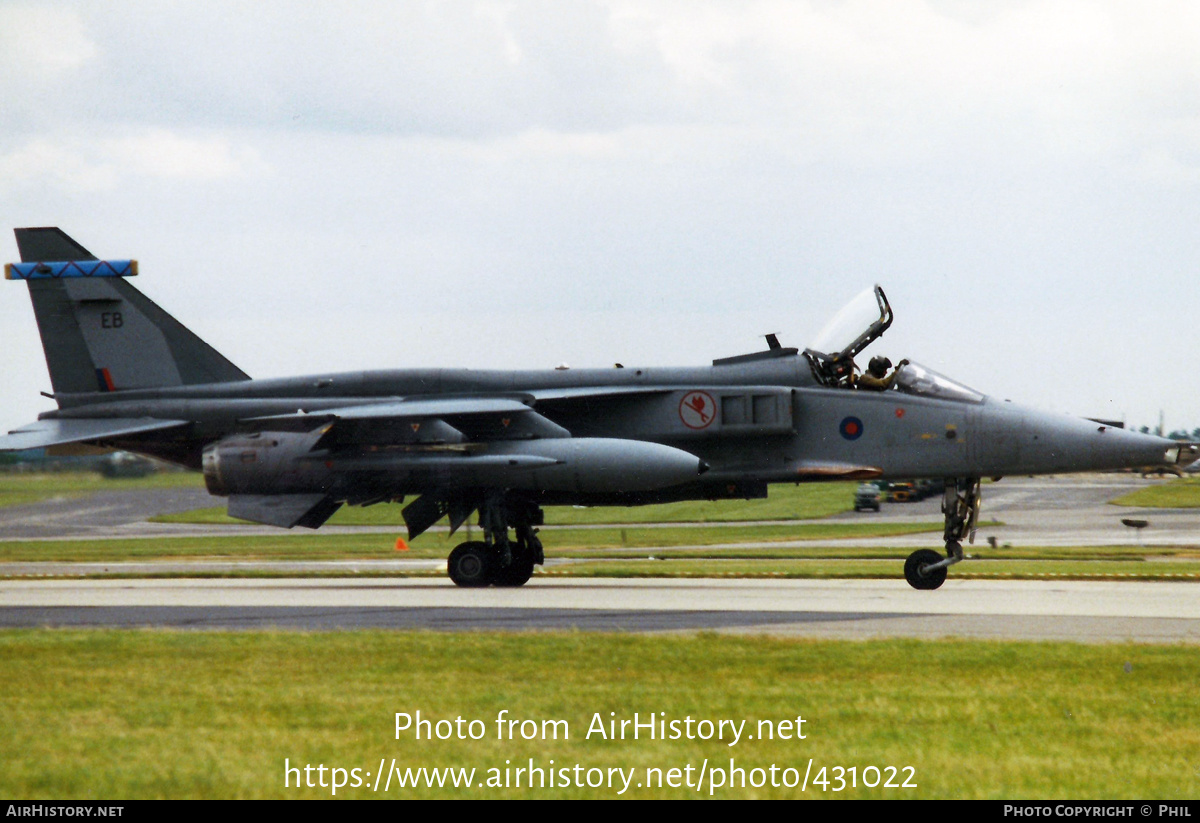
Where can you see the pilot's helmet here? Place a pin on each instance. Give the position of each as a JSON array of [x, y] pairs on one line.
[[879, 366]]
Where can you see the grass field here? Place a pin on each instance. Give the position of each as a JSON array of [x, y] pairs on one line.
[[29, 487], [800, 502], [1178, 494], [109, 714]]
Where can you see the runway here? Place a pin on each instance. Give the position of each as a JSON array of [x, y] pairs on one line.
[[1027, 610]]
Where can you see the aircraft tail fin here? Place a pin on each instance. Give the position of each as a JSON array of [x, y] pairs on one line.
[[99, 333]]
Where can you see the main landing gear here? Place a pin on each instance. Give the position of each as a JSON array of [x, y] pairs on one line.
[[498, 560], [925, 568]]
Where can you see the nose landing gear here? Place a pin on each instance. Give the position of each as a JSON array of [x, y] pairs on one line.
[[925, 568]]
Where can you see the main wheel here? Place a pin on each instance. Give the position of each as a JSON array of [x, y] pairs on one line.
[[516, 573], [470, 565], [914, 569]]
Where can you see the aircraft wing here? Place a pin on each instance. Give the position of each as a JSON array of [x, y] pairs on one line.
[[437, 420], [589, 392], [56, 432], [476, 442]]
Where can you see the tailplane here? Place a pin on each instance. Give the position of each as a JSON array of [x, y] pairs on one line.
[[100, 334]]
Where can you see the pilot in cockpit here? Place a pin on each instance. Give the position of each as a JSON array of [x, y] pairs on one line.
[[876, 377]]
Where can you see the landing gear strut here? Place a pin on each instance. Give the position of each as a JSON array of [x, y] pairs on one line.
[[925, 568], [498, 560]]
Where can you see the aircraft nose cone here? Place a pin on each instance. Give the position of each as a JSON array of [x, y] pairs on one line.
[[1132, 449], [1072, 444], [1016, 439]]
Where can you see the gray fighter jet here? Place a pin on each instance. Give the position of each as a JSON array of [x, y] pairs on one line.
[[290, 452]]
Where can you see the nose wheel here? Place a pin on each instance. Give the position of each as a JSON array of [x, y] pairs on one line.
[[925, 568]]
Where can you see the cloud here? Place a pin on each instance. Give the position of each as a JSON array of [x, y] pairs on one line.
[[42, 161], [78, 164], [41, 42], [880, 83], [856, 82], [164, 155], [511, 163], [450, 69]]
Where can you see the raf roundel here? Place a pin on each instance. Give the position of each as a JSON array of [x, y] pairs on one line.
[[851, 428]]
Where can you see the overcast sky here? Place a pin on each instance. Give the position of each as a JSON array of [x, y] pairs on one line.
[[338, 186]]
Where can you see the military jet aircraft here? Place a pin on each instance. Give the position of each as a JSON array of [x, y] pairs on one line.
[[289, 452]]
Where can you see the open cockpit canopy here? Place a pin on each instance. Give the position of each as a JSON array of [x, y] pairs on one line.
[[859, 323]]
